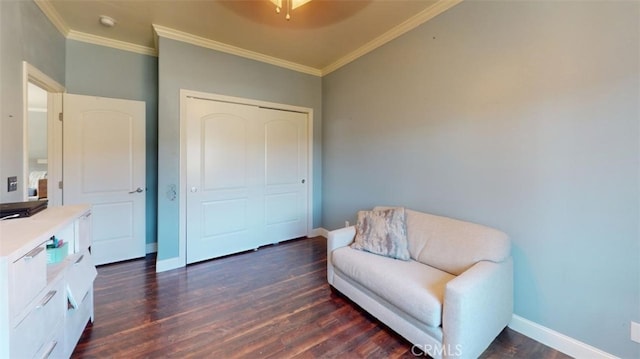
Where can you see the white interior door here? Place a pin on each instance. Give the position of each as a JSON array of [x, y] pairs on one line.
[[104, 165], [246, 183]]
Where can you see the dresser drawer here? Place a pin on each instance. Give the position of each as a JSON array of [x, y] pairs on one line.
[[83, 240], [80, 276], [77, 319], [28, 277], [54, 347], [44, 317]]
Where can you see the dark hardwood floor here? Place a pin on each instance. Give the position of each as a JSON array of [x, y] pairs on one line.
[[272, 303]]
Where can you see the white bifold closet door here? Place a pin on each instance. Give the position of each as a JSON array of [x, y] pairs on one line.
[[246, 177]]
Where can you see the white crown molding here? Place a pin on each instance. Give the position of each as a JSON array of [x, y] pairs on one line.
[[116, 44], [53, 16], [177, 35], [425, 15], [437, 8]]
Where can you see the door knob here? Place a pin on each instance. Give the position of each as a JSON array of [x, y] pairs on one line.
[[138, 190]]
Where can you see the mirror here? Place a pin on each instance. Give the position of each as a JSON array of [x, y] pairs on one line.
[[37, 143]]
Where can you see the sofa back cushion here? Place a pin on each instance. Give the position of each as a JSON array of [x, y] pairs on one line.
[[453, 245]]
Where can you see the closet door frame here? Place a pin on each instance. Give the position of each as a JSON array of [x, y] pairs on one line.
[[182, 190]]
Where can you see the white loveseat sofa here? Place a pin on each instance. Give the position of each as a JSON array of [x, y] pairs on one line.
[[451, 299]]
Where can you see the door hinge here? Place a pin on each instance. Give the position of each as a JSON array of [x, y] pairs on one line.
[[60, 116], [60, 185]]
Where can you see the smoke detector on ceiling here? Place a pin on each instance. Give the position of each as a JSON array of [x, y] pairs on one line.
[[107, 21]]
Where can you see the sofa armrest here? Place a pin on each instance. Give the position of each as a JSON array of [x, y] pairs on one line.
[[478, 304], [338, 238], [341, 237]]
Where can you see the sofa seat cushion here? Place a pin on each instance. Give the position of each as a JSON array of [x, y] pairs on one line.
[[412, 287]]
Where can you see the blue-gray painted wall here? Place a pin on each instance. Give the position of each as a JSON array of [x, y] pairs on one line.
[[189, 67], [25, 35], [518, 115], [103, 71], [522, 116]]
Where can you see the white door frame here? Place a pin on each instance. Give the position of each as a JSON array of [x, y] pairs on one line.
[[54, 130], [181, 261]]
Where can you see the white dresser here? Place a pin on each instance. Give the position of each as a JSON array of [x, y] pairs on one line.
[[45, 307]]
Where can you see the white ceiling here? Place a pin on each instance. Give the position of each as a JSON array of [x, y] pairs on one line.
[[321, 36]]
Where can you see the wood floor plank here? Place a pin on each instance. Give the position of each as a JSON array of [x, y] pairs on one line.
[[271, 303]]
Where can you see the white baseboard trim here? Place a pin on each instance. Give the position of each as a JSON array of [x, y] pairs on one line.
[[169, 264], [555, 340], [319, 232], [152, 247]]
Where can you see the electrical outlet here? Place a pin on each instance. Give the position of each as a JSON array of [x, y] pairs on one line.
[[635, 332], [346, 223], [12, 183]]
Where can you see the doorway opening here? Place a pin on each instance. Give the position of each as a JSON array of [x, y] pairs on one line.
[[37, 143], [42, 136]]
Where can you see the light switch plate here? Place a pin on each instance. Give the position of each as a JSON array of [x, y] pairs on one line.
[[635, 332], [12, 183]]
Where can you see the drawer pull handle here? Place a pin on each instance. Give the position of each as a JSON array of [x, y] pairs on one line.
[[32, 253], [50, 350], [79, 259], [47, 298]]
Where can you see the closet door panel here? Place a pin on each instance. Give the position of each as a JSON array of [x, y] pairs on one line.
[[222, 214], [245, 177], [285, 185]]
